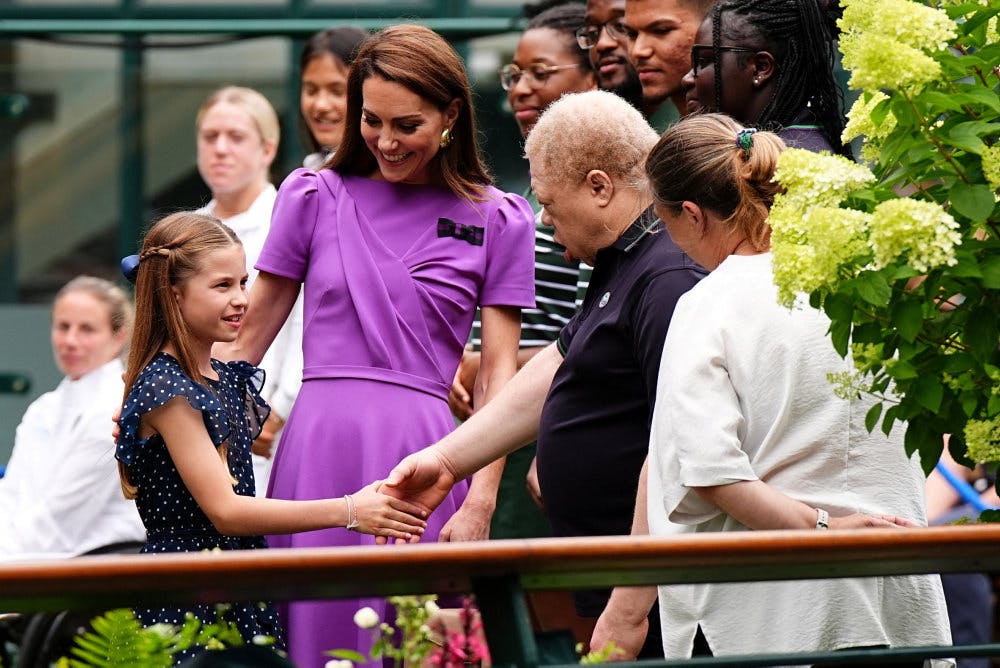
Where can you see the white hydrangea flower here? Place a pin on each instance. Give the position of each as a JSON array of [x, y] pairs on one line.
[[366, 618], [922, 231]]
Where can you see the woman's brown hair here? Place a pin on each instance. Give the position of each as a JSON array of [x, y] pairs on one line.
[[423, 62], [699, 160], [171, 253]]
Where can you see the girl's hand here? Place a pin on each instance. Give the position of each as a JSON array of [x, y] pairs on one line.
[[387, 516]]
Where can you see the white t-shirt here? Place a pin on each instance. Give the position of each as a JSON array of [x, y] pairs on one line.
[[61, 495], [282, 363], [742, 394]]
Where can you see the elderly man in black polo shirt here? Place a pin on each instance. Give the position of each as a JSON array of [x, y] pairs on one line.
[[587, 398]]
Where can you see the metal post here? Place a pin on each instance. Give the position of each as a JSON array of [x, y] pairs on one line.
[[131, 176], [506, 621]]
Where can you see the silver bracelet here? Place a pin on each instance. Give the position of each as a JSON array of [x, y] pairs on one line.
[[822, 519], [352, 514]]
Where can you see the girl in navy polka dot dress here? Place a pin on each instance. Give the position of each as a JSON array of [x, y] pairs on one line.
[[189, 420]]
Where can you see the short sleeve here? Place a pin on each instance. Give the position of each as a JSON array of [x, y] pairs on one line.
[[697, 419], [293, 221], [510, 263], [159, 382], [249, 382]]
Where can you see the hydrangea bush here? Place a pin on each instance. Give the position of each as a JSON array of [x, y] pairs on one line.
[[903, 252]]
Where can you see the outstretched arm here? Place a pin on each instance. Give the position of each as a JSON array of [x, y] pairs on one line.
[[503, 425], [498, 364], [271, 300], [207, 477]]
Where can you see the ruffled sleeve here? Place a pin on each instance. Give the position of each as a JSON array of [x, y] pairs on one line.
[[159, 382], [250, 381]]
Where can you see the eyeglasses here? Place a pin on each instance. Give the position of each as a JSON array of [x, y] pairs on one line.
[[703, 55], [537, 75], [588, 36]]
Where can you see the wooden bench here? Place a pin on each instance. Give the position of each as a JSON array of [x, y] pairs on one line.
[[499, 572]]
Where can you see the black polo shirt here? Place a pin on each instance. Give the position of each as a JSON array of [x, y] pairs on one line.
[[594, 431]]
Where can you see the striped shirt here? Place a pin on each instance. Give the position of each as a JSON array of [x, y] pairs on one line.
[[556, 284]]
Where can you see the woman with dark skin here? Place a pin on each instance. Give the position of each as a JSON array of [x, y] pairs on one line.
[[769, 64]]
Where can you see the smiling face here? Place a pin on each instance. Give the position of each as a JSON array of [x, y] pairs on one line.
[[538, 49], [661, 33], [403, 130], [214, 300], [82, 335], [609, 57], [233, 158], [323, 99]]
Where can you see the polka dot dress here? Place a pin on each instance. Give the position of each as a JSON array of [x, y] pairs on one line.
[[234, 412]]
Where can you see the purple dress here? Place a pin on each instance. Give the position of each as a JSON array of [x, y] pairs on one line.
[[392, 276]]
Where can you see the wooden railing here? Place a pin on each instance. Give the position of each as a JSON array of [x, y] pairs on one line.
[[498, 572]]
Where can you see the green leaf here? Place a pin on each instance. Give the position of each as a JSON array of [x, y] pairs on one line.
[[928, 392], [940, 99], [903, 370], [993, 405], [840, 334], [991, 272], [967, 266], [920, 437], [981, 333], [873, 288], [973, 200], [969, 402], [888, 419], [990, 515], [981, 95], [348, 654], [966, 137], [872, 416], [839, 306], [908, 318]]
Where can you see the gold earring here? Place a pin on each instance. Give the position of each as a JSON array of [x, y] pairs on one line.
[[446, 138]]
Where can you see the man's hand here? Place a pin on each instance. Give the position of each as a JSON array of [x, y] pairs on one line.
[[424, 478], [470, 522], [625, 621]]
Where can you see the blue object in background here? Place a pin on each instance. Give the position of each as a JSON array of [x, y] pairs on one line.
[[964, 489]]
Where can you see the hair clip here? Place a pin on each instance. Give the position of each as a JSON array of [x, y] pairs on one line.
[[744, 140], [130, 267]]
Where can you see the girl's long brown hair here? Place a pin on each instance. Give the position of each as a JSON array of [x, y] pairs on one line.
[[171, 254]]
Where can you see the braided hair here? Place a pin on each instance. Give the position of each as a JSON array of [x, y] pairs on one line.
[[800, 34]]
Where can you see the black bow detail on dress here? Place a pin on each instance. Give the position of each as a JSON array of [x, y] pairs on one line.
[[469, 233]]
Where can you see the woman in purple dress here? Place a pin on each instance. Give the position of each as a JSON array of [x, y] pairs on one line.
[[397, 239]]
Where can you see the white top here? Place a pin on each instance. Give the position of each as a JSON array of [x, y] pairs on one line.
[[742, 394], [61, 495], [282, 363]]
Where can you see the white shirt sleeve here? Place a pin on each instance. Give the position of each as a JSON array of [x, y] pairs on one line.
[[698, 423]]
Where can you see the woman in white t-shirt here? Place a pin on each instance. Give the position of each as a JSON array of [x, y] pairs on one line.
[[748, 434], [60, 496], [237, 138]]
